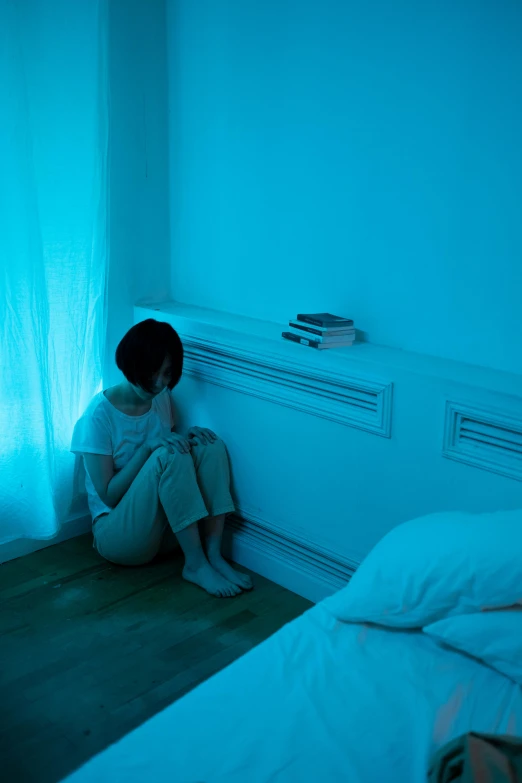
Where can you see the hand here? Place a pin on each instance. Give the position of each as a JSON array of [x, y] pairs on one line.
[[202, 435], [172, 442]]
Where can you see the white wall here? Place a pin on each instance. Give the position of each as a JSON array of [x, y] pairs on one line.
[[362, 158], [139, 212], [336, 487], [343, 487]]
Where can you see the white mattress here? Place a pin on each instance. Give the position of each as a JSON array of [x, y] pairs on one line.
[[319, 700]]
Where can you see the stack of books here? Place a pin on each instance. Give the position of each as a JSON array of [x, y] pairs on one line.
[[321, 330]]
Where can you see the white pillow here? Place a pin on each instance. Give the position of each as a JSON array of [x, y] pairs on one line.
[[435, 567], [495, 638]]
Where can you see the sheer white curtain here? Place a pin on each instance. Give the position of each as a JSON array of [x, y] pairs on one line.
[[53, 250]]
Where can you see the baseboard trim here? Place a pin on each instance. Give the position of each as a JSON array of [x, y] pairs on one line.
[[290, 560], [10, 550]]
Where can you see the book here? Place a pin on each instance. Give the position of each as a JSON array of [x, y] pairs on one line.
[[296, 338], [322, 331], [326, 338], [324, 319]]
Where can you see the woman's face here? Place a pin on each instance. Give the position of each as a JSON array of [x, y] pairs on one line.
[[159, 380]]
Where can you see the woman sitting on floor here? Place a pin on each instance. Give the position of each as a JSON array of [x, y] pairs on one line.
[[146, 484]]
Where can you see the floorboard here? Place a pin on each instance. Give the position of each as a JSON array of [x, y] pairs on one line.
[[90, 650]]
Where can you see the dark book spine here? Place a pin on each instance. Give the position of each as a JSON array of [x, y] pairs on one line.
[[295, 338], [318, 322], [309, 329], [346, 332]]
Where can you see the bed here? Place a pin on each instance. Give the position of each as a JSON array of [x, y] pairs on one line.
[[319, 700], [323, 699]]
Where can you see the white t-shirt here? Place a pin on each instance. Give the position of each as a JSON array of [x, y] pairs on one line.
[[105, 430]]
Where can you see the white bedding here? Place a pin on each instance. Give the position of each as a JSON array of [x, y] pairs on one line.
[[319, 700]]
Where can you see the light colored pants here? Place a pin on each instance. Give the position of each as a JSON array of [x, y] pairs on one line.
[[170, 492]]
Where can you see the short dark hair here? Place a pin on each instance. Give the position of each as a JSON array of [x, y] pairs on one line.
[[143, 350]]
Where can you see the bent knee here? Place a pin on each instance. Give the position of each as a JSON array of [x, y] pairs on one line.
[[217, 445], [163, 455], [216, 451], [160, 455]]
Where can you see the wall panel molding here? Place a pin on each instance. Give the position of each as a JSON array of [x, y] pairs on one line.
[[346, 399], [485, 437]]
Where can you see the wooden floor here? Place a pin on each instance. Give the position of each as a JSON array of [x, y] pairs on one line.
[[88, 650]]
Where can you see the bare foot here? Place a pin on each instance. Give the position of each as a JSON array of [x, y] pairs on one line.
[[225, 569], [210, 580]]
